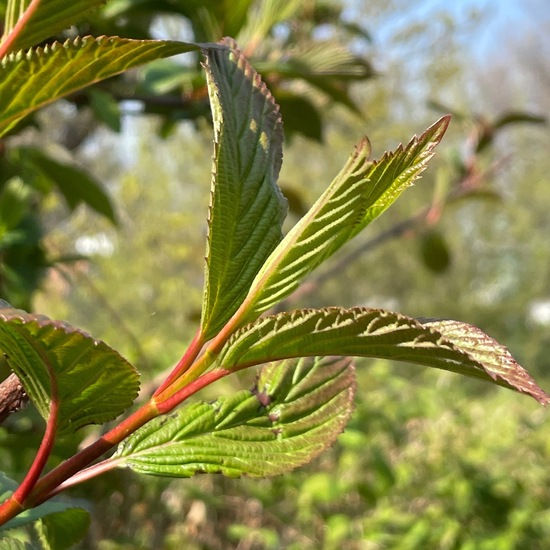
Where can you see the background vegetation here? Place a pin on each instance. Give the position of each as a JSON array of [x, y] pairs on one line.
[[430, 460]]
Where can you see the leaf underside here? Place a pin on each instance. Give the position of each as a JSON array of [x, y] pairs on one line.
[[359, 194], [247, 208], [295, 411], [94, 384], [448, 345]]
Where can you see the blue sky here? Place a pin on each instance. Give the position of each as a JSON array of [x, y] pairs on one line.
[[502, 20]]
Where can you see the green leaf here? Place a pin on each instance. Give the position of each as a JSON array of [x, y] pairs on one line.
[[33, 79], [358, 195], [45, 18], [447, 345], [93, 383], [515, 117], [434, 251], [326, 65], [300, 116], [262, 17], [54, 510], [74, 184], [62, 530], [105, 108], [247, 208], [14, 544], [296, 409]]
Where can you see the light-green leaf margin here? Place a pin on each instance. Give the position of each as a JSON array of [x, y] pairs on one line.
[[247, 208], [359, 194], [296, 409], [92, 382], [29, 80], [448, 345]]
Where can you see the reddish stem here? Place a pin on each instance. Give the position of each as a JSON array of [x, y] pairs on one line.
[[174, 400], [165, 407], [184, 363], [80, 460], [16, 502], [7, 44]]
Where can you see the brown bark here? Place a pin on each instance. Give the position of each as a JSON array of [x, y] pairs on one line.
[[12, 396]]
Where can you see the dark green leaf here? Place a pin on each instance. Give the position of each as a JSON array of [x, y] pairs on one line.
[[94, 384], [62, 530], [247, 207], [300, 116], [295, 411], [515, 117], [448, 345], [435, 251], [74, 184], [105, 108]]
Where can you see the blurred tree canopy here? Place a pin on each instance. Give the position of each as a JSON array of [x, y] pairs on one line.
[[470, 241]]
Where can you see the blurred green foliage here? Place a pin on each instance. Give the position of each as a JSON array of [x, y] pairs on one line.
[[429, 460]]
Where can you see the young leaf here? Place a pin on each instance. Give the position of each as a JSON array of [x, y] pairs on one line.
[[53, 509], [93, 383], [247, 207], [44, 18], [295, 411], [448, 345], [35, 78], [359, 194]]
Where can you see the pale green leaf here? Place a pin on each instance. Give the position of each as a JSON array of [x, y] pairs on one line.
[[44, 19], [262, 17], [8, 543], [448, 345], [360, 193], [247, 207], [296, 409], [322, 59], [94, 384], [29, 80]]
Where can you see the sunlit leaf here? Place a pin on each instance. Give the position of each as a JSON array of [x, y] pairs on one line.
[[296, 409], [45, 18], [93, 382], [29, 80], [448, 345], [247, 207], [359, 194], [8, 543], [261, 17]]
